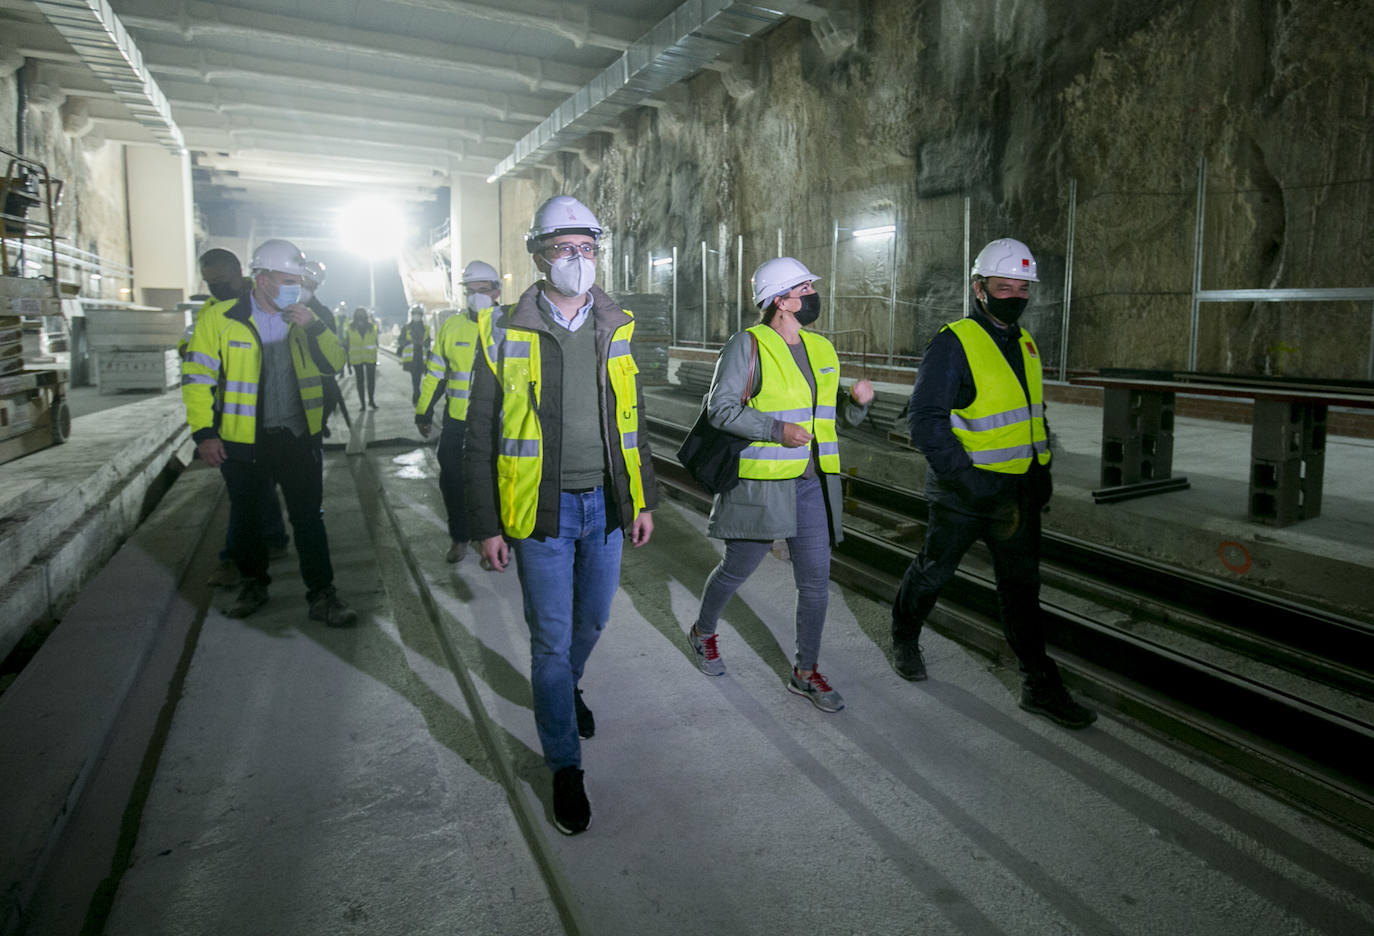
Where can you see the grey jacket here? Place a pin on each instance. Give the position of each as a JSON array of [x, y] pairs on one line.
[[754, 509]]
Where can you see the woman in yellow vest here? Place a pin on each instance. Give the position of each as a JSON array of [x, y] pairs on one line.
[[789, 484], [361, 339]]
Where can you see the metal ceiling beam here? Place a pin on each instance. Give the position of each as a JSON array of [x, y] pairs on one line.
[[338, 110], [576, 22], [288, 129], [249, 187], [99, 37], [198, 19], [216, 68], [260, 135], [693, 35]]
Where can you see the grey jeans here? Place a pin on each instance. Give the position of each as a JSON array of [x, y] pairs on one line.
[[810, 549]]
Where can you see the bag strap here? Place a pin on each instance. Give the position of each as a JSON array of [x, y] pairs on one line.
[[748, 393]]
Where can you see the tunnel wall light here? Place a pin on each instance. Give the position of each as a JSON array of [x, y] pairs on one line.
[[880, 231], [663, 261]]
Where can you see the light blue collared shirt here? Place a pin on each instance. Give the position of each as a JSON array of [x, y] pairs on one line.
[[271, 327], [553, 312]]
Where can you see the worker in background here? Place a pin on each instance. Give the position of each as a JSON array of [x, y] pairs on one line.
[[413, 349], [311, 281], [450, 376], [360, 338], [263, 359], [223, 276], [777, 384], [558, 472], [977, 413]]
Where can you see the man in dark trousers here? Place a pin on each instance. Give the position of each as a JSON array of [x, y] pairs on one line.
[[253, 394], [977, 413]]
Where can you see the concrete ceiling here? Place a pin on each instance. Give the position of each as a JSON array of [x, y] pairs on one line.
[[284, 102]]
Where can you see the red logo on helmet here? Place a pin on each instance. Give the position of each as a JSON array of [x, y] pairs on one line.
[[1025, 262]]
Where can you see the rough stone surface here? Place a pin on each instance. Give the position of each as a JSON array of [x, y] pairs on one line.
[[1006, 103]]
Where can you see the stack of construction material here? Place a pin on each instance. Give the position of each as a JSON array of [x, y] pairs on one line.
[[653, 335], [11, 343], [135, 348]]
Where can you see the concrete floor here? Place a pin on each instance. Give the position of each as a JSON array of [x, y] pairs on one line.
[[387, 779]]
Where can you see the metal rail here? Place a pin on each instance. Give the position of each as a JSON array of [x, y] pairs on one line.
[[1313, 755]]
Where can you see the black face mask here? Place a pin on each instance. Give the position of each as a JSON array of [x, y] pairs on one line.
[[810, 309], [225, 290], [1006, 311]]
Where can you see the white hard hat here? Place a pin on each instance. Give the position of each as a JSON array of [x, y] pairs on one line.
[[1008, 258], [314, 271], [561, 214], [479, 272], [281, 256], [778, 276]]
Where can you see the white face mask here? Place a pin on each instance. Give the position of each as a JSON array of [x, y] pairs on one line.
[[479, 302], [572, 276]]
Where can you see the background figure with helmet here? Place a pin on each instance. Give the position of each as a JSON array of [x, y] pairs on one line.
[[413, 349], [223, 275], [977, 413], [311, 281], [263, 359], [360, 338], [450, 376], [789, 486], [560, 468]]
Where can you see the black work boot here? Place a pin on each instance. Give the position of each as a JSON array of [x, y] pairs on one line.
[[908, 660], [572, 813], [1055, 703]]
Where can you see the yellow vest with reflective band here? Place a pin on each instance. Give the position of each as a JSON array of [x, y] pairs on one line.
[[412, 347], [513, 356], [451, 362], [1001, 430], [226, 353], [362, 346], [218, 305], [785, 395]]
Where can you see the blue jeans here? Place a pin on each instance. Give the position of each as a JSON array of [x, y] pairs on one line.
[[810, 550], [567, 582]]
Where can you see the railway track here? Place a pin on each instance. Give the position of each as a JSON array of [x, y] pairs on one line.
[[1263, 687]]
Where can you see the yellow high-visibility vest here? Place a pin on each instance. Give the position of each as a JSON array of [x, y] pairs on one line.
[[225, 354], [451, 362], [513, 356], [362, 345], [785, 395], [1001, 429]]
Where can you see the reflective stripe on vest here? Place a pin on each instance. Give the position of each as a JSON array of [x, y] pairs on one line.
[[1001, 430], [451, 362], [782, 387], [513, 356]]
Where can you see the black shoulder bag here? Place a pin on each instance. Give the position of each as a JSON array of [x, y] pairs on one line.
[[710, 455]]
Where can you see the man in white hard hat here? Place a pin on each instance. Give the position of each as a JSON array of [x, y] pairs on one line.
[[450, 368], [264, 359], [977, 413], [559, 473]]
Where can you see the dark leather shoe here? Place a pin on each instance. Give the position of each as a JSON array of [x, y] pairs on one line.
[[328, 607], [252, 596], [1058, 706], [571, 811], [908, 660], [586, 724]]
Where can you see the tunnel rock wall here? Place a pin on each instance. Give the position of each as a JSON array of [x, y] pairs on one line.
[[93, 213], [895, 112]]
